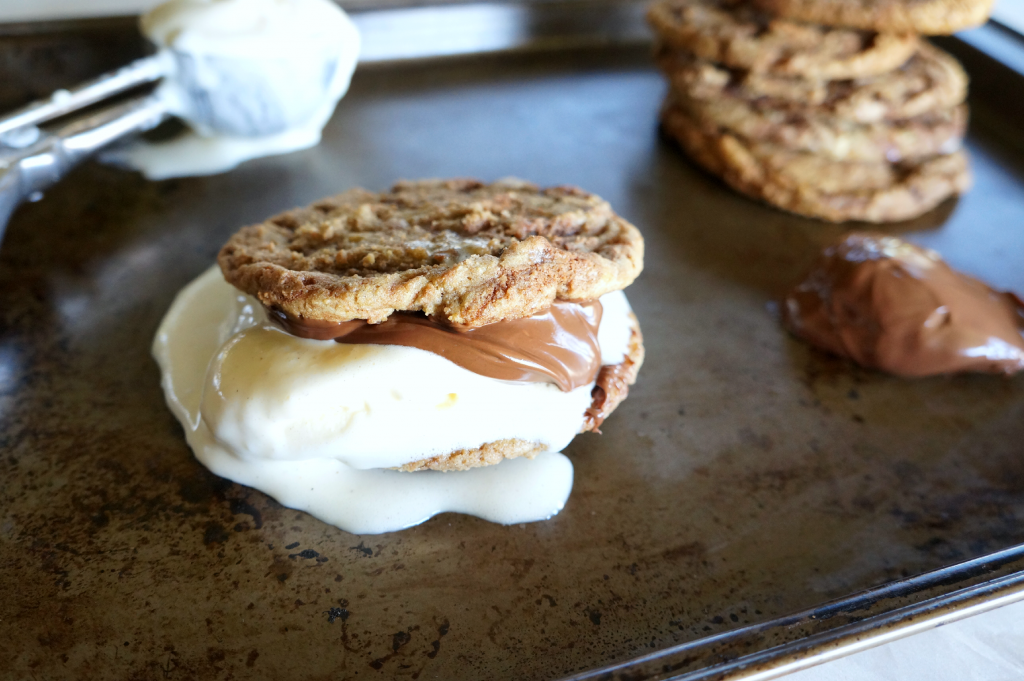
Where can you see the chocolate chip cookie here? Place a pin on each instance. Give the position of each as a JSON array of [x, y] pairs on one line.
[[927, 17], [736, 34], [810, 185], [931, 80]]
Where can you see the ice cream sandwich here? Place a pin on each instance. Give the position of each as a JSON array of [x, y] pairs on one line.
[[448, 325]]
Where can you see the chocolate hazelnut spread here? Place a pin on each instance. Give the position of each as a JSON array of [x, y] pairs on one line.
[[557, 346], [889, 305]]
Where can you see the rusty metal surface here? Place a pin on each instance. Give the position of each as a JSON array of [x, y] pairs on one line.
[[746, 478]]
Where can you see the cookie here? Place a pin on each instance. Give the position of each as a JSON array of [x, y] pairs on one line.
[[833, 138], [808, 185], [467, 252], [611, 389], [931, 80], [734, 33], [613, 382], [927, 17], [486, 455]]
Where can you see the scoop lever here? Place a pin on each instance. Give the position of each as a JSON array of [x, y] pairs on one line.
[[27, 171]]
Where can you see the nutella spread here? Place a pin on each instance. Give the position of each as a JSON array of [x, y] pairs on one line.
[[889, 305], [557, 346]]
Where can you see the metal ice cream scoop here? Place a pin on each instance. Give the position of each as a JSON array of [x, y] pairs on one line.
[[214, 94]]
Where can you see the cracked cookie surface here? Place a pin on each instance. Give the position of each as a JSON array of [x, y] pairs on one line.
[[461, 250], [939, 132], [931, 80], [928, 17], [815, 187], [736, 34]]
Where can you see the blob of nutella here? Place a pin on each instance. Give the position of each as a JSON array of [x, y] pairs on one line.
[[890, 305]]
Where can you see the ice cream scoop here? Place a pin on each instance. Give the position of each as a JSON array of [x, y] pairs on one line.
[[252, 67], [268, 72]]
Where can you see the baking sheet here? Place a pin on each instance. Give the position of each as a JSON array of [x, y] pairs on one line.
[[746, 478]]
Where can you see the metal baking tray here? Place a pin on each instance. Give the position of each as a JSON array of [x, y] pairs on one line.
[[754, 507]]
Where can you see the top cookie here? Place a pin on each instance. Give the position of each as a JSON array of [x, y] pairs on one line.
[[929, 17], [471, 253], [734, 33]]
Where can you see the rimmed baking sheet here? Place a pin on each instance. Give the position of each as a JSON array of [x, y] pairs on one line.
[[747, 477]]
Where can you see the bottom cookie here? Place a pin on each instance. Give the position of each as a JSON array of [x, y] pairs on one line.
[[485, 455], [817, 187]]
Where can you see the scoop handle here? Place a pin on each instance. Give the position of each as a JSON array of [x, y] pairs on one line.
[[64, 102], [27, 171]]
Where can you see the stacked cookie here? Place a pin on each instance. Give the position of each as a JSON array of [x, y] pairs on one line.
[[852, 117]]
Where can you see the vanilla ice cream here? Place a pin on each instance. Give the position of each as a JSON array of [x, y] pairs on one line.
[[314, 423]]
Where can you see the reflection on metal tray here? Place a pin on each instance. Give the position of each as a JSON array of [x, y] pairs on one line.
[[746, 479]]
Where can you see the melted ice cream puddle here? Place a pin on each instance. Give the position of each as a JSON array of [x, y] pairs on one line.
[[209, 314], [302, 52]]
